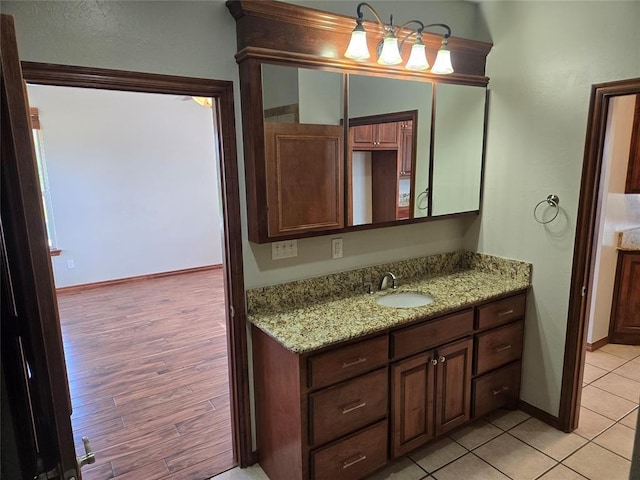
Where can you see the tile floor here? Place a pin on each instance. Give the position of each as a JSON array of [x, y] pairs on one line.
[[513, 445]]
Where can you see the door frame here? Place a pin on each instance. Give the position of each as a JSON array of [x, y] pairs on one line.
[[222, 93], [584, 248]]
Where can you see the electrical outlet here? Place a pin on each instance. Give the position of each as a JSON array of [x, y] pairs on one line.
[[71, 264], [285, 249], [336, 248]]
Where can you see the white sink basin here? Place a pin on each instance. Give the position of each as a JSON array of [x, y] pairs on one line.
[[405, 300]]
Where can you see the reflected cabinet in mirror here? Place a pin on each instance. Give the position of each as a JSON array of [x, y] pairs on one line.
[[304, 149], [388, 160], [458, 148]]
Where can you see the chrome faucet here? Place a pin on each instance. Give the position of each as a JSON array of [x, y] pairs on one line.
[[385, 277]]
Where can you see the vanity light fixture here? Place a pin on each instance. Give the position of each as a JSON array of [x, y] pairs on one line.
[[389, 50]]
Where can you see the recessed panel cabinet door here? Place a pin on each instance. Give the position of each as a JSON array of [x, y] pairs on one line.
[[412, 403], [305, 179], [33, 367], [625, 312], [453, 385]]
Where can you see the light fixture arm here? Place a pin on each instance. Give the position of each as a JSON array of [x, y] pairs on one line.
[[442, 25], [375, 14], [417, 32]]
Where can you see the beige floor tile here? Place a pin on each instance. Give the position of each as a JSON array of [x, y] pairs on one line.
[[606, 403], [560, 472], [476, 434], [627, 352], [514, 458], [620, 386], [618, 439], [592, 424], [631, 420], [548, 440], [603, 360], [597, 463], [506, 419], [469, 467], [249, 473], [592, 373], [438, 454], [630, 370], [404, 469]]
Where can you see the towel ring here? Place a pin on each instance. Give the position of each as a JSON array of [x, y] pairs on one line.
[[423, 196], [553, 201]]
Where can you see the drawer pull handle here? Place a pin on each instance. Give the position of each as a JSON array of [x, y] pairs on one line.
[[358, 459], [500, 390], [358, 405], [502, 348], [355, 362], [506, 312]]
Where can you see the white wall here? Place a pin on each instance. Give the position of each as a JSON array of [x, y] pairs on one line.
[[615, 214], [545, 58], [133, 182]]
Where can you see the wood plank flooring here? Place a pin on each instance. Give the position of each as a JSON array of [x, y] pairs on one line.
[[147, 365]]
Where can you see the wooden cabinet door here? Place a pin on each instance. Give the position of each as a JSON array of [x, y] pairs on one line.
[[388, 135], [453, 385], [406, 149], [625, 310], [633, 170], [412, 385], [363, 136], [305, 178]]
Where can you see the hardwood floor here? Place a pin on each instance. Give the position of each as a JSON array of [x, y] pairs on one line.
[[147, 365]]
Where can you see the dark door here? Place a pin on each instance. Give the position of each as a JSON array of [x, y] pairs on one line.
[[453, 385], [624, 326], [35, 391]]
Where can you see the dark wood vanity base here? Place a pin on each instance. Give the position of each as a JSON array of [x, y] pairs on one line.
[[345, 411]]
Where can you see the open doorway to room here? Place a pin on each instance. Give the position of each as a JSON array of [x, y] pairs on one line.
[[198, 302], [130, 189], [600, 388]]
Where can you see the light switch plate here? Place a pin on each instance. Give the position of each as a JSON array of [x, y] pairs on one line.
[[284, 249]]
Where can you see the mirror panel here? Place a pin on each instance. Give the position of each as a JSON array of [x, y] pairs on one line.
[[394, 116], [301, 95], [458, 144]]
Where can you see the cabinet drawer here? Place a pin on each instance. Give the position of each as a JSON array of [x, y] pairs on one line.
[[498, 347], [429, 334], [501, 312], [343, 408], [347, 362], [497, 389], [354, 457]]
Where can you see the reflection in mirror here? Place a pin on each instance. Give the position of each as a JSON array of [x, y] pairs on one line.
[[458, 143], [301, 95], [389, 129]]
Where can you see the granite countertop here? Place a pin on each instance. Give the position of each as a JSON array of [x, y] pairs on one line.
[[629, 239], [306, 326]]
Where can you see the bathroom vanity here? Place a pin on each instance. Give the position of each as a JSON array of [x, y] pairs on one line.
[[344, 385]]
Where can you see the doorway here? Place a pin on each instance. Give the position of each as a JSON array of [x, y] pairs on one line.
[[133, 213], [221, 92], [589, 210]]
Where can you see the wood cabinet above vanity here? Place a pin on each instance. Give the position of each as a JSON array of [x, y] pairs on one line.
[[292, 73]]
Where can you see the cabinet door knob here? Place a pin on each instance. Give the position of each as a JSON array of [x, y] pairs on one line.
[[434, 362], [442, 359]]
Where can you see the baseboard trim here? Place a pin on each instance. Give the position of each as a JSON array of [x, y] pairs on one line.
[[592, 347], [539, 414], [150, 276]]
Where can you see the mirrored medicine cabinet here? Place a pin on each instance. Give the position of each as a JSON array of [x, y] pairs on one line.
[[334, 146]]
